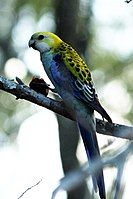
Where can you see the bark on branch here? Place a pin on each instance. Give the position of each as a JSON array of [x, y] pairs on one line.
[[24, 92]]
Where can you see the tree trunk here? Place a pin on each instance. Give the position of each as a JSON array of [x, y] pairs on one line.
[[72, 27]]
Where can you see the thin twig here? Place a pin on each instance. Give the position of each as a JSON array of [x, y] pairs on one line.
[[128, 1], [30, 188]]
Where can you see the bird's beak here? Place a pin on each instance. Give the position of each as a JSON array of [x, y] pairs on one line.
[[31, 43]]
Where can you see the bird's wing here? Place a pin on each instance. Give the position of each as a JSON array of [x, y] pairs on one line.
[[80, 72], [83, 83]]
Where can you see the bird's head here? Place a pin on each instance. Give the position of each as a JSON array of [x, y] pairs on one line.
[[44, 41]]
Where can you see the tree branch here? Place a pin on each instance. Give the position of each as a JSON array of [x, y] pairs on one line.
[[22, 91], [77, 177]]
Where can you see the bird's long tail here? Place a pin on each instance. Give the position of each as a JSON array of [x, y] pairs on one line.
[[92, 150]]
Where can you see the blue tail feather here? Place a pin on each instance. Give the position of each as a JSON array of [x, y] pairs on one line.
[[93, 153]]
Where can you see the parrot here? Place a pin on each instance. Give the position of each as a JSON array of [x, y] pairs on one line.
[[72, 80]]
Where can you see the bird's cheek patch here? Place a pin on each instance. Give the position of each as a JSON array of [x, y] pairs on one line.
[[42, 47]]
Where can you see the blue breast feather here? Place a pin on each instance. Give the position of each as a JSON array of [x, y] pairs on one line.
[[56, 74]]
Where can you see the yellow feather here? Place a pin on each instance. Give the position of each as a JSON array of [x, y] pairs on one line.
[[75, 63]]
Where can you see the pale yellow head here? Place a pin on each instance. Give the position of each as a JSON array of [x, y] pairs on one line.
[[44, 41]]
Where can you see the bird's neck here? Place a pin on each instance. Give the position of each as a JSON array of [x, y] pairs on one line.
[[46, 59]]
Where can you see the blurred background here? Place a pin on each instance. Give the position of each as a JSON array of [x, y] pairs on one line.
[[34, 142]]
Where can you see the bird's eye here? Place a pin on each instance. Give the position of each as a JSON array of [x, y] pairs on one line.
[[40, 37]]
